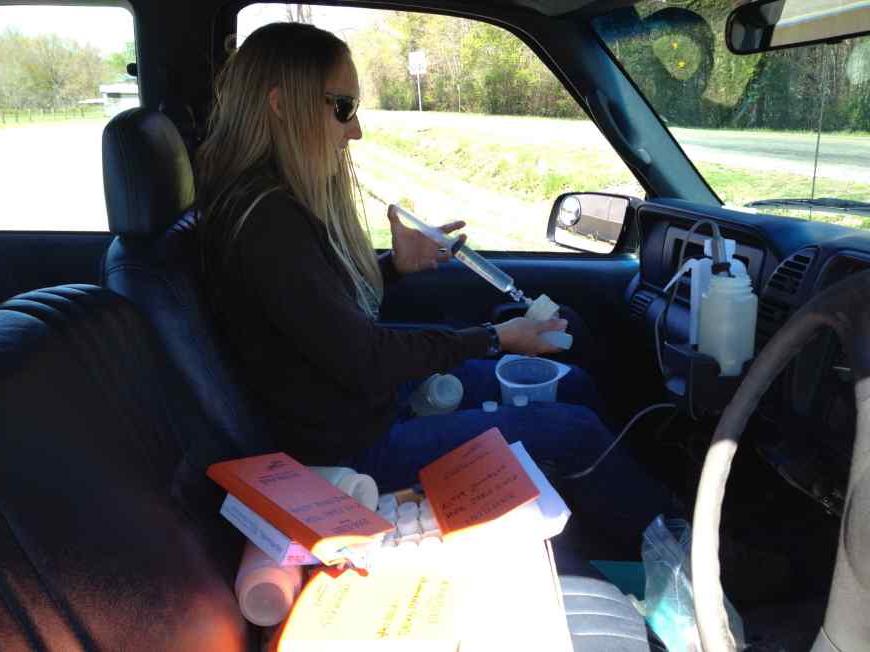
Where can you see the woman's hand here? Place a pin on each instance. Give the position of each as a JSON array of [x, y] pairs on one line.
[[521, 335], [413, 251]]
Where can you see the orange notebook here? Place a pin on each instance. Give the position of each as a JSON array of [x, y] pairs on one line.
[[300, 503], [476, 483]]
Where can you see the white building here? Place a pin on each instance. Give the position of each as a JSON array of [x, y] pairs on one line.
[[118, 97]]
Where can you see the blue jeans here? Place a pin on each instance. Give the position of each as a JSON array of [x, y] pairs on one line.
[[562, 438]]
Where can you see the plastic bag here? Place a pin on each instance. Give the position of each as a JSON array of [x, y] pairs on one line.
[[668, 602]]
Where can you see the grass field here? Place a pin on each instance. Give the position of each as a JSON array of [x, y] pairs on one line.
[[536, 159]]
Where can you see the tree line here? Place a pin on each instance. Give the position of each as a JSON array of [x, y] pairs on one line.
[[472, 67], [49, 73], [676, 55]]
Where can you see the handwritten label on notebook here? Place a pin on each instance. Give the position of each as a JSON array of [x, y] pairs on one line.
[[404, 606], [475, 483], [299, 503]]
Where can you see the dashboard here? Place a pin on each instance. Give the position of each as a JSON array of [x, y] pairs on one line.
[[808, 416]]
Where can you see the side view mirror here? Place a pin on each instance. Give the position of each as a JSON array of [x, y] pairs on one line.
[[588, 221]]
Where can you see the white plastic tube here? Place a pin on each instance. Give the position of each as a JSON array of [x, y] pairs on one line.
[[357, 485], [265, 590]]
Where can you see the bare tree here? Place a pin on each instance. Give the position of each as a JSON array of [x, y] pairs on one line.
[[299, 13]]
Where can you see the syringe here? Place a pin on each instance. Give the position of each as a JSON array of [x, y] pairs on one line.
[[467, 256]]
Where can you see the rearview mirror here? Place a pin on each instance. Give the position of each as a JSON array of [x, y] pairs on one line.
[[772, 24], [588, 221]]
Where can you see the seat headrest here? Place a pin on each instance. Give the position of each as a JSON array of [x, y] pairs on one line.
[[147, 175]]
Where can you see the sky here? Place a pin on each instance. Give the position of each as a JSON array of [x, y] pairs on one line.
[[108, 28]]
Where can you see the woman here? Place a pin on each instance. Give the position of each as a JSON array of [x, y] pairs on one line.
[[297, 287]]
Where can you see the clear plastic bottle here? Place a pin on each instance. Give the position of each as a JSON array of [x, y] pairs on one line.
[[439, 394], [729, 311]]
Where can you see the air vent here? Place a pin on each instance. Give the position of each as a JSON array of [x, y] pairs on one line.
[[777, 301], [639, 303], [772, 314], [790, 274]]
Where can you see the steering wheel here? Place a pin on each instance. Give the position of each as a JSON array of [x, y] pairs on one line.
[[845, 308]]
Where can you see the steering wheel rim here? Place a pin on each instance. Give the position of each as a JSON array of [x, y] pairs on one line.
[[845, 308]]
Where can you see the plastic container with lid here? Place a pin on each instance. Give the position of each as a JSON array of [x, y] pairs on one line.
[[729, 310], [266, 590], [439, 394]]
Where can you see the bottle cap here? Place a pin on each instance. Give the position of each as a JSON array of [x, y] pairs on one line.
[[408, 508], [559, 339], [387, 502], [490, 406], [521, 400], [361, 487], [446, 391], [408, 524]]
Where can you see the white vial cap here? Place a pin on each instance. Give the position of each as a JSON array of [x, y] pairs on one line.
[[408, 524], [390, 515], [408, 509], [387, 502], [425, 506], [521, 400], [559, 339], [542, 309], [428, 522], [445, 392], [490, 406]]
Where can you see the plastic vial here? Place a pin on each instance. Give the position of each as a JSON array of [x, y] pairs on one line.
[[357, 485], [387, 502], [439, 394], [428, 522], [408, 524], [266, 590]]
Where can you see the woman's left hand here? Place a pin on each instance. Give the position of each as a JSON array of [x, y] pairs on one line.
[[413, 251]]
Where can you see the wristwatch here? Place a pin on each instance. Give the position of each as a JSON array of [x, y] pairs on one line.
[[494, 342]]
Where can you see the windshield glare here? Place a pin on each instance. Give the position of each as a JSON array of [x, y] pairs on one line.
[[790, 124]]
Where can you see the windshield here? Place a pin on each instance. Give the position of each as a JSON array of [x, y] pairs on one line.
[[785, 125]]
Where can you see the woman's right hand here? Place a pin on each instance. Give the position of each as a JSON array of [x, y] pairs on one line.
[[522, 335]]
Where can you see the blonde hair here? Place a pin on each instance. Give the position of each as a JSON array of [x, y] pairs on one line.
[[246, 135]]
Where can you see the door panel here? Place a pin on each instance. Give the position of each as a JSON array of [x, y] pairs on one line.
[[593, 287], [31, 260]]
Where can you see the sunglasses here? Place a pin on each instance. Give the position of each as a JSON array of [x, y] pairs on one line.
[[344, 106]]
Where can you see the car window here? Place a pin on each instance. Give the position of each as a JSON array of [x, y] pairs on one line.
[[62, 76], [461, 120], [780, 132]]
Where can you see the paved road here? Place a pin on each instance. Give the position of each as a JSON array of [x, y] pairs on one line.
[[840, 156]]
